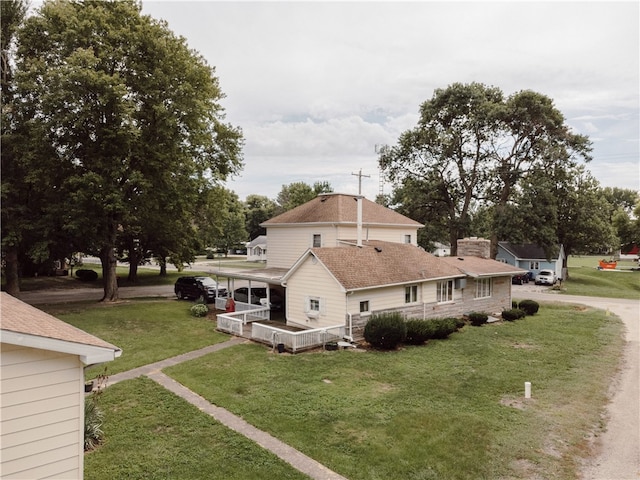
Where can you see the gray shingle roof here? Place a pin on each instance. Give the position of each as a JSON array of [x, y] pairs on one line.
[[340, 208], [379, 263], [22, 318], [529, 251]]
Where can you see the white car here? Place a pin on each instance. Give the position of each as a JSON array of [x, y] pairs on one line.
[[546, 277]]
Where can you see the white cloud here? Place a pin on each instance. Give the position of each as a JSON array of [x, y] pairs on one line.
[[316, 85]]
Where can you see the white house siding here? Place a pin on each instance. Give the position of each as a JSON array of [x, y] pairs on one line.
[[42, 414], [285, 245], [313, 280]]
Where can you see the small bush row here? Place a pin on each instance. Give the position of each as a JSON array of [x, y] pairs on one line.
[[521, 310], [387, 331]]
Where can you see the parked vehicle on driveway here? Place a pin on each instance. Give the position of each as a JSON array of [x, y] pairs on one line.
[[520, 279], [546, 277], [259, 297], [198, 288]]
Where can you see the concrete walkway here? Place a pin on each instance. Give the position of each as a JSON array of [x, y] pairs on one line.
[[293, 457]]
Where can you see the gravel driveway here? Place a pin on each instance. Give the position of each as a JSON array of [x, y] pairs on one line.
[[618, 449]]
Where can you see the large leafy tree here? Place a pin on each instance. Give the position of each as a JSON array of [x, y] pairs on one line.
[[221, 219], [472, 148], [258, 209], [297, 193], [16, 215], [133, 118]]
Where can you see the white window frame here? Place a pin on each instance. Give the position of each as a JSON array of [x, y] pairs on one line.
[[411, 294], [444, 291], [313, 306], [533, 265], [483, 288], [366, 304], [407, 238], [313, 240]]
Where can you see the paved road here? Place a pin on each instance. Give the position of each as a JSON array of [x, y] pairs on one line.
[[62, 295], [619, 447]]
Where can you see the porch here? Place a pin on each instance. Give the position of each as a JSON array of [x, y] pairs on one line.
[[254, 322]]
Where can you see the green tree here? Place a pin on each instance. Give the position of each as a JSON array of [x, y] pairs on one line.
[[472, 148], [132, 115], [447, 156], [258, 209], [14, 205], [221, 222], [297, 193]]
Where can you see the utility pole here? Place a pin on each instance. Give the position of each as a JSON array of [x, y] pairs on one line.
[[360, 175]]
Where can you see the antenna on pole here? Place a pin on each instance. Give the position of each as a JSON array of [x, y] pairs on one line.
[[378, 150], [360, 175]]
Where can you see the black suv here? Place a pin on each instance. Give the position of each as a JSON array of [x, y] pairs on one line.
[[198, 288]]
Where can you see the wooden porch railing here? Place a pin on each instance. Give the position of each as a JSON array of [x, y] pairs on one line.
[[233, 322], [296, 341]]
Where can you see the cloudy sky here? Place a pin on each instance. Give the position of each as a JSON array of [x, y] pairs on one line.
[[315, 86]]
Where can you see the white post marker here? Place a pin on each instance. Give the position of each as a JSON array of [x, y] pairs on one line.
[[527, 389]]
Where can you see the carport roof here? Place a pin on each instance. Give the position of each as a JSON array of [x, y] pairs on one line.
[[265, 275]]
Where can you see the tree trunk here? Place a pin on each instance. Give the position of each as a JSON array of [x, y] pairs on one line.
[[163, 266], [109, 263], [12, 277], [134, 260]]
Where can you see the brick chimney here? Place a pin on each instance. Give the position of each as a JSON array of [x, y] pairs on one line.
[[474, 247]]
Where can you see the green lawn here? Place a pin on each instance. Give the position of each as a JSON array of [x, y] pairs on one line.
[[586, 279], [153, 434], [453, 409], [146, 330]]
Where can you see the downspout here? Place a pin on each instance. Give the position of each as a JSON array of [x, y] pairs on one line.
[[349, 316]]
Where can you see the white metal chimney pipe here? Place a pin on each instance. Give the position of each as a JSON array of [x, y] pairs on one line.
[[359, 238]]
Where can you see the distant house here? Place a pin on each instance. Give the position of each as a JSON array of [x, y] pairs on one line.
[[531, 257], [441, 250], [42, 392], [340, 258], [257, 249]]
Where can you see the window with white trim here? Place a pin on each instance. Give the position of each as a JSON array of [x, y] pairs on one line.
[[483, 288], [317, 240], [534, 265], [444, 291], [314, 304], [364, 306], [411, 294], [407, 239]]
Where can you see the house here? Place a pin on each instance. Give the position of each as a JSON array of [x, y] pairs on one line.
[[42, 392], [341, 258], [257, 249], [441, 250], [532, 257]]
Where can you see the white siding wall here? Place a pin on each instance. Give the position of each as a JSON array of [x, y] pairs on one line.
[[285, 245], [42, 421], [313, 280]]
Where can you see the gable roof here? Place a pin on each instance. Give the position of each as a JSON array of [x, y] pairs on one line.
[[481, 267], [379, 263], [529, 251], [340, 208], [27, 326], [258, 241]]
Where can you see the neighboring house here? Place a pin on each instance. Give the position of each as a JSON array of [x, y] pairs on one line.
[[257, 249], [42, 397], [441, 250], [341, 258], [531, 257]]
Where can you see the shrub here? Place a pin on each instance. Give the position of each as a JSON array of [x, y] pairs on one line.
[[513, 314], [459, 322], [514, 304], [443, 327], [386, 330], [530, 307], [199, 310], [419, 331], [93, 417], [87, 275], [478, 319]]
